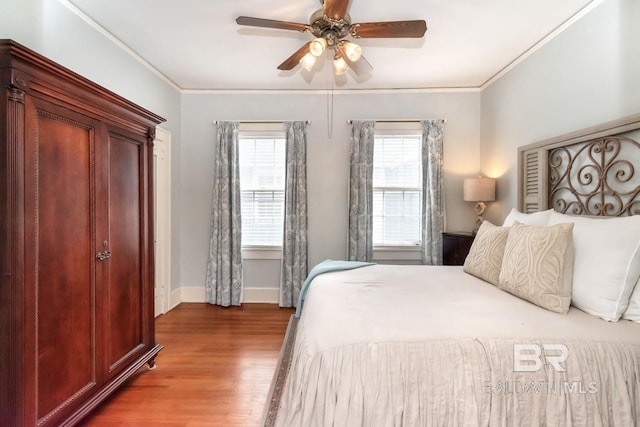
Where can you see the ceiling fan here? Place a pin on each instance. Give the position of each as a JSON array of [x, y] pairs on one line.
[[330, 26]]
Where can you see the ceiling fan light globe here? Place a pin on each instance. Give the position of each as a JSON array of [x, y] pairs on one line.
[[352, 50], [339, 65], [308, 61], [318, 46]]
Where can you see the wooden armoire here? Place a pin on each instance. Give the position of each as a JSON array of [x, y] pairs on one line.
[[76, 241]]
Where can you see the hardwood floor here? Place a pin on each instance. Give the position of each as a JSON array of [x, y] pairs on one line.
[[215, 369]]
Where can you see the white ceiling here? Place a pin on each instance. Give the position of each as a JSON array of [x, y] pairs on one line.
[[197, 44]]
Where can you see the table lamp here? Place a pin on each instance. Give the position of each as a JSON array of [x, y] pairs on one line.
[[479, 190]]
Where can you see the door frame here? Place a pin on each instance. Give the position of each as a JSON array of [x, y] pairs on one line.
[[162, 219]]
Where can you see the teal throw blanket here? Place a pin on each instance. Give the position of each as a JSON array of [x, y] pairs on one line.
[[326, 266]]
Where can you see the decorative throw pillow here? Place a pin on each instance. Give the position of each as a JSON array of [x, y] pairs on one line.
[[485, 256], [538, 265], [539, 219], [607, 262]]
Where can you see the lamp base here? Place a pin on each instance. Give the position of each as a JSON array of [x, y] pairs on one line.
[[479, 210]]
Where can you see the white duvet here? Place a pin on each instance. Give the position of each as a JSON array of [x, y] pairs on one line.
[[422, 346]]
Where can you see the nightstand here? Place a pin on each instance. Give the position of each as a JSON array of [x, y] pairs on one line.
[[455, 247]]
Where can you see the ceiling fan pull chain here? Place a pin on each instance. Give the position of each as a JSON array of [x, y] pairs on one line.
[[331, 78]]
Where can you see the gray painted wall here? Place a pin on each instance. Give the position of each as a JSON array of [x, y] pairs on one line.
[[328, 162], [589, 74]]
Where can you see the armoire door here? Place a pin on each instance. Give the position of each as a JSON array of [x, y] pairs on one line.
[[126, 244], [60, 319]]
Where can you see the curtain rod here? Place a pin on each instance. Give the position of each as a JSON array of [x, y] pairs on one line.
[[396, 121], [216, 122]]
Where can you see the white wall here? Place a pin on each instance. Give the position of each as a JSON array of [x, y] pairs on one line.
[[55, 31], [587, 75], [328, 162]]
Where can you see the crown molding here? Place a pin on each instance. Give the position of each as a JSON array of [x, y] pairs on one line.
[[99, 28], [546, 39]]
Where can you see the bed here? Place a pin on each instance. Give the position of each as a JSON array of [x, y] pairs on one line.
[[541, 326]]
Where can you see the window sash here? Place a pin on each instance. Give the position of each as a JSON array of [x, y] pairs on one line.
[[262, 218], [262, 182], [397, 190]]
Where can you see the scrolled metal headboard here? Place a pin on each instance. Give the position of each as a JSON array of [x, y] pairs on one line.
[[596, 177], [595, 171]]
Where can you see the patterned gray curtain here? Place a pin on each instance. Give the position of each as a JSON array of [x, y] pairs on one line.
[[223, 283], [361, 191], [294, 247], [433, 212]]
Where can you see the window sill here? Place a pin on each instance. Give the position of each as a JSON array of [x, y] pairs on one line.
[[397, 253], [262, 252]]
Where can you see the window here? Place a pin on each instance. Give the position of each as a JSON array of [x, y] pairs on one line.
[[397, 189], [262, 179]]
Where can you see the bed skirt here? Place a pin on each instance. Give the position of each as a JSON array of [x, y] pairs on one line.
[[451, 382]]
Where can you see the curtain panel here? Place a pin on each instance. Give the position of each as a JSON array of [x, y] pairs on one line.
[[294, 246], [360, 246], [223, 283], [433, 203]]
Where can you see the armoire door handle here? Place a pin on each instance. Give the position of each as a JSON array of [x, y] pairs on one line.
[[103, 255]]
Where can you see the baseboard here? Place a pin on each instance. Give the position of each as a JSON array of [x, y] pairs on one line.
[[175, 298], [249, 295], [193, 294], [263, 295]]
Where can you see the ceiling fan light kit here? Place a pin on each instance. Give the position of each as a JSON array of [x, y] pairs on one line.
[[352, 50], [339, 65], [318, 46], [330, 26], [308, 61]]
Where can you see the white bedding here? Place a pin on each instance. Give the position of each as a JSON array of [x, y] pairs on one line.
[[424, 345]]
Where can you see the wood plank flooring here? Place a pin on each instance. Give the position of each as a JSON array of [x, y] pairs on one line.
[[215, 369]]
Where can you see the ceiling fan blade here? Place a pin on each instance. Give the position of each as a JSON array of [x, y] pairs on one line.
[[271, 23], [361, 67], [294, 59], [390, 29], [336, 9]]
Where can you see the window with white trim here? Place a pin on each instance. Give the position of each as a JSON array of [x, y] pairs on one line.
[[262, 180], [397, 188]]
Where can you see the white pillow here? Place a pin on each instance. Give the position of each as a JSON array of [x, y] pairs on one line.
[[633, 310], [539, 219], [607, 262]]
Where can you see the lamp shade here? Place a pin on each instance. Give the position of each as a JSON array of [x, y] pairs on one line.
[[479, 190], [307, 61], [352, 50], [339, 65], [318, 46]]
